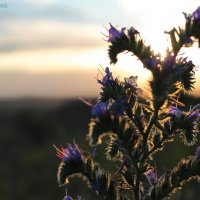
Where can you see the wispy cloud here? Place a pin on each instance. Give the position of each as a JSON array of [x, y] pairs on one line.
[[45, 60], [48, 34]]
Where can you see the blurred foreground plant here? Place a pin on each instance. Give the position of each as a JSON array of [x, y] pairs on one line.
[[139, 126]]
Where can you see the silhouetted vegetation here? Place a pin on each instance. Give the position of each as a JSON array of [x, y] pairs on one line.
[[29, 128]]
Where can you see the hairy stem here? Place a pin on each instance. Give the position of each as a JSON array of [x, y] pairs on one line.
[[185, 170], [131, 117], [146, 134], [137, 188]]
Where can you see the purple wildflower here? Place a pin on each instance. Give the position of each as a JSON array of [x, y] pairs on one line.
[[107, 78], [169, 63], [70, 198], [187, 123], [194, 114], [198, 154], [131, 83], [118, 107], [132, 80], [100, 109], [69, 153], [67, 198], [115, 34], [151, 63], [151, 176], [132, 32], [107, 70], [196, 14], [174, 111]]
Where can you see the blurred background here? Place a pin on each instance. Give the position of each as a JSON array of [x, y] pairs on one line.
[[50, 52]]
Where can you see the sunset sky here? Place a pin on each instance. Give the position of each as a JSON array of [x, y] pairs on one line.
[[53, 48]]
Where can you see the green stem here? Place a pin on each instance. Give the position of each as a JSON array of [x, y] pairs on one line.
[[158, 125], [186, 170], [137, 188], [152, 150], [136, 123], [146, 134]]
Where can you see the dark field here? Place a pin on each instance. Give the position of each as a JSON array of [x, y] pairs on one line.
[[29, 128]]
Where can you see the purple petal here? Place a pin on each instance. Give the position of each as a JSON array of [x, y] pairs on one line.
[[169, 63], [118, 107], [107, 78], [198, 154], [100, 109], [151, 176], [175, 111], [67, 198], [115, 34], [196, 14]]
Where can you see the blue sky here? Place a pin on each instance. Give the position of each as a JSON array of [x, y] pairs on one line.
[[69, 10], [41, 39], [23, 23]]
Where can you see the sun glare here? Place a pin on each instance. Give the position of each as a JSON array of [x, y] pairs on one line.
[[47, 60], [155, 17]]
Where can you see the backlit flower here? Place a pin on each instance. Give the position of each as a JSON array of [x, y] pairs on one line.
[[186, 123], [151, 176], [100, 109], [151, 63], [174, 111], [131, 83], [118, 107], [106, 78], [69, 153], [132, 80], [198, 154], [67, 198], [196, 14], [169, 63], [115, 34]]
